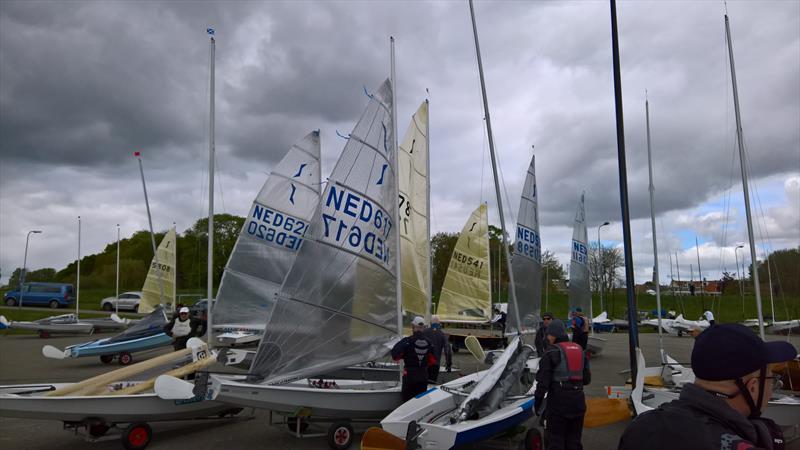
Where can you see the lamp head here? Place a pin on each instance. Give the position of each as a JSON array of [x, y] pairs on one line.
[[36, 231]]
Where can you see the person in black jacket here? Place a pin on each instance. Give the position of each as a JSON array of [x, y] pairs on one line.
[[441, 344], [416, 351], [563, 371], [722, 408], [540, 340], [181, 328], [580, 328]]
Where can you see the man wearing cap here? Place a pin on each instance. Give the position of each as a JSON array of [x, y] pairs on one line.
[[416, 351], [540, 340], [440, 342], [181, 328], [722, 408], [563, 371]]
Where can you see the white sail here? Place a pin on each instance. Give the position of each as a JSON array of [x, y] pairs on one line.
[[161, 276], [466, 295], [270, 238], [338, 304], [415, 258], [579, 294], [526, 261]]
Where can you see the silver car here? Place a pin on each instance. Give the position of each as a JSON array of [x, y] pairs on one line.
[[126, 300]]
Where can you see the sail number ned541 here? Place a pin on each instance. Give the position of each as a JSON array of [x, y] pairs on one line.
[[354, 222]]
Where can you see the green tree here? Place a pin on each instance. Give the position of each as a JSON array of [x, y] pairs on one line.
[[442, 245]]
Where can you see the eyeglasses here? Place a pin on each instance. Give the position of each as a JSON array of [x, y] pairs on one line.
[[776, 381], [547, 318]]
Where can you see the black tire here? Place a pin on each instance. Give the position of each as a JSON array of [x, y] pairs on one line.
[[533, 440], [44, 334], [291, 424], [107, 307], [11, 301], [54, 304], [137, 436], [106, 359], [125, 358], [340, 436], [98, 428]]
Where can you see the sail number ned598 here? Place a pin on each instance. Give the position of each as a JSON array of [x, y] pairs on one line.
[[355, 223], [528, 243]]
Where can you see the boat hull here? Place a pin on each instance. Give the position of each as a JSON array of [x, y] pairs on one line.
[[107, 408], [61, 328], [352, 399], [104, 347]]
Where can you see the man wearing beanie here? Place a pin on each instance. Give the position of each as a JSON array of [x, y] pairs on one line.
[[563, 371], [722, 408]]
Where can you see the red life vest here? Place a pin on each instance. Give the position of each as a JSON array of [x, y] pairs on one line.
[[571, 366]]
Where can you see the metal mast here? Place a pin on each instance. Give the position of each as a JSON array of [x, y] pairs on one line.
[[653, 225]]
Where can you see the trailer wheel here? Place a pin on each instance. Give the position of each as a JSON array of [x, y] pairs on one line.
[[340, 436], [137, 436], [44, 334], [106, 359], [533, 440], [291, 424], [125, 358]]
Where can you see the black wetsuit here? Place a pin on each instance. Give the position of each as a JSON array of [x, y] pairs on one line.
[[416, 351], [441, 344]]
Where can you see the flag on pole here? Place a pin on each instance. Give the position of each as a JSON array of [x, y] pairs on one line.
[[137, 154], [210, 31]]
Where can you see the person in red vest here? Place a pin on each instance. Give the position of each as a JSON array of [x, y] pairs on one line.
[[563, 371]]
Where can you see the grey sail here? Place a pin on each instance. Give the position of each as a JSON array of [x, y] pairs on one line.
[[579, 294], [526, 259], [270, 238], [338, 305]]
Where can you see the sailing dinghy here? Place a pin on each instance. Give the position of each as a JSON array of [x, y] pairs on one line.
[[61, 324], [267, 244], [339, 304], [146, 333], [580, 296]]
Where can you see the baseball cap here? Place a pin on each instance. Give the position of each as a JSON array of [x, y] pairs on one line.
[[183, 310], [418, 322], [730, 351]]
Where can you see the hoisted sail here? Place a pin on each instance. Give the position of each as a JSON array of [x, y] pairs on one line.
[[579, 294], [526, 261], [338, 304], [270, 238], [466, 295], [415, 258], [160, 277]]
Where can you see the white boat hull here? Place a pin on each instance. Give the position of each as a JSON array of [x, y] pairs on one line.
[[65, 328], [349, 399], [14, 402]]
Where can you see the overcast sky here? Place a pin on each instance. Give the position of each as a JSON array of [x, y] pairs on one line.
[[84, 84]]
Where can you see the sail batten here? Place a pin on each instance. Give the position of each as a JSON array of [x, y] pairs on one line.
[[271, 235], [338, 303]]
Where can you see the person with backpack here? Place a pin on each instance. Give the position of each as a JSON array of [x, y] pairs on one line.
[[580, 328], [563, 371]]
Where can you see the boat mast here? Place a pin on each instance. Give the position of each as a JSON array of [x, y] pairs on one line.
[[138, 156], [512, 291], [742, 163], [700, 274], [210, 284], [398, 280], [633, 334], [653, 225], [78, 288], [429, 299], [771, 301], [116, 303]]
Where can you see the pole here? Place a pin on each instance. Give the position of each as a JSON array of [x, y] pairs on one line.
[[138, 156], [512, 290], [602, 266], [546, 287], [24, 270], [428, 198], [78, 289], [210, 285], [633, 334], [678, 273], [116, 303], [398, 281], [743, 164], [741, 288], [652, 189], [771, 301], [700, 275]]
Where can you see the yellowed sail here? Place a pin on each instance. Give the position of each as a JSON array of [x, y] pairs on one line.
[[415, 255], [465, 293], [161, 276]]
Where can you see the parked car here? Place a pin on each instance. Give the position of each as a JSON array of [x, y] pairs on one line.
[[53, 295], [126, 300], [200, 307]]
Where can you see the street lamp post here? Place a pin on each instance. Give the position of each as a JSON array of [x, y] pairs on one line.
[[116, 302], [741, 289], [24, 264], [600, 262]]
